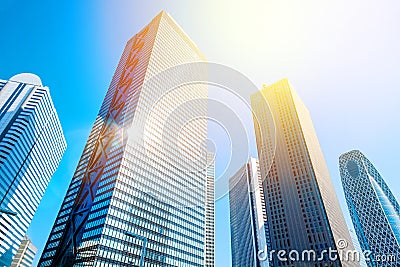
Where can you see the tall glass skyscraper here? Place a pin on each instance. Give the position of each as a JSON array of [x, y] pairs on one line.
[[210, 212], [248, 218], [138, 195], [373, 208], [302, 207], [31, 146]]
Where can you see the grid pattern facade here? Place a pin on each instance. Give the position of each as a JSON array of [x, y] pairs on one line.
[[247, 216], [146, 208], [373, 208], [209, 251], [25, 254], [31, 146], [259, 213], [302, 208]]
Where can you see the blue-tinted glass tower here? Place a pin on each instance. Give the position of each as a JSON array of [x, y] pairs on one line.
[[373, 208], [138, 195], [31, 146], [248, 219]]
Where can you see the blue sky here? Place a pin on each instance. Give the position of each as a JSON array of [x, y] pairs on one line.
[[342, 57]]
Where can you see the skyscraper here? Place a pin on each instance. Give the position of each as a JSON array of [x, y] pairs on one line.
[[373, 208], [302, 207], [357, 247], [247, 216], [138, 194], [25, 254], [31, 146], [210, 212]]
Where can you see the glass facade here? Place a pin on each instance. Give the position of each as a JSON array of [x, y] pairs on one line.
[[373, 208], [138, 195], [210, 212], [301, 204], [248, 219], [31, 146]]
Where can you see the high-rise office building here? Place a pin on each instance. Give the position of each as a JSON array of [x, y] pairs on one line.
[[302, 207], [373, 208], [25, 254], [357, 248], [137, 197], [210, 212], [31, 146], [248, 217]]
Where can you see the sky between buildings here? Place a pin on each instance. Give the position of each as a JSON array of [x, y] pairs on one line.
[[341, 57]]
